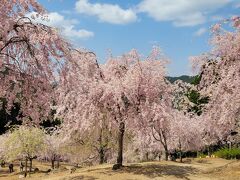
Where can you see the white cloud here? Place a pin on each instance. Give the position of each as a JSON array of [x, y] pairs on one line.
[[181, 12], [67, 26], [81, 33], [187, 20], [110, 13], [200, 32]]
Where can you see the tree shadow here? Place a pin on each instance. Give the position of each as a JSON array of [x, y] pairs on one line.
[[153, 170], [82, 177], [5, 173]]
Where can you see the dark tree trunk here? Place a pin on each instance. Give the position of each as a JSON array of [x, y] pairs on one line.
[[162, 139], [166, 154], [159, 156], [146, 156], [101, 156], [180, 150], [208, 151], [181, 156], [52, 163], [120, 143], [101, 147], [26, 163], [30, 167], [105, 158]]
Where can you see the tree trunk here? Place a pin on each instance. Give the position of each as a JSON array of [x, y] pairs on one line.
[[180, 150], [208, 151], [180, 155], [26, 163], [166, 154], [146, 156], [58, 163], [159, 156], [30, 167], [165, 145], [162, 139], [120, 143], [101, 155], [52, 163], [101, 148], [105, 158]]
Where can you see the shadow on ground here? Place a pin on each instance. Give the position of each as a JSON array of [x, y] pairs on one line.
[[5, 173], [152, 170], [82, 177]]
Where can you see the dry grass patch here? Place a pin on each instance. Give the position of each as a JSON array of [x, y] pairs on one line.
[[193, 169]]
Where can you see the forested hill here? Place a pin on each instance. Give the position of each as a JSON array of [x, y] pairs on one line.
[[184, 78]]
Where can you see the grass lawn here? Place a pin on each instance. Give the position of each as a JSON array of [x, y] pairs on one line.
[[191, 169]]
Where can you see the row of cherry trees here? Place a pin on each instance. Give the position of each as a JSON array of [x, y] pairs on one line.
[[128, 95], [26, 143], [220, 80], [132, 93]]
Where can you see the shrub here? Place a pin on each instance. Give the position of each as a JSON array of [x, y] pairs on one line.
[[226, 153], [201, 155]]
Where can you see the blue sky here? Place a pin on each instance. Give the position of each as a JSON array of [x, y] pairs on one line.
[[179, 27]]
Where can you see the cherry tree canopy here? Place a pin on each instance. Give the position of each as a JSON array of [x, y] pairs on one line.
[[54, 143], [24, 142], [220, 78], [31, 56], [124, 89]]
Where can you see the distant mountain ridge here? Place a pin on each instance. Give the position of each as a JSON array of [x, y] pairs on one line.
[[184, 78]]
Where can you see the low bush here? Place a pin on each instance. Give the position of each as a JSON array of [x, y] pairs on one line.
[[201, 155], [226, 153]]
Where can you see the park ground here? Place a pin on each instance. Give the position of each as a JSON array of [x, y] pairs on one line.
[[191, 169]]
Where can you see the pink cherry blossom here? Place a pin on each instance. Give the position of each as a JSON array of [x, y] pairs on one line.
[[31, 57]]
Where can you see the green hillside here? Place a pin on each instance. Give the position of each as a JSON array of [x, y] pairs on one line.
[[184, 78]]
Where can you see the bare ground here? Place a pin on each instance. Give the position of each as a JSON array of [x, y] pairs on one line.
[[191, 169]]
